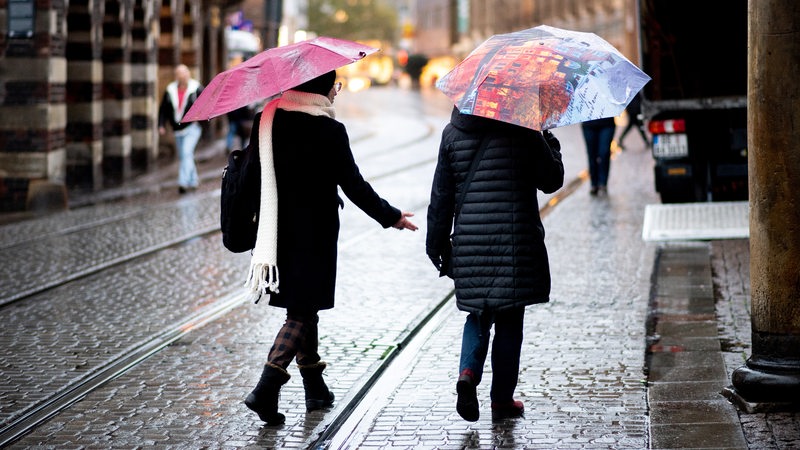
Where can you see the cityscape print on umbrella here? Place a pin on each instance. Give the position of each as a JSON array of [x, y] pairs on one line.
[[542, 82]]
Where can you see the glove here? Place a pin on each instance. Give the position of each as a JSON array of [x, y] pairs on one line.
[[551, 140]]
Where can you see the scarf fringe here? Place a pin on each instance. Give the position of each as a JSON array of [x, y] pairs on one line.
[[263, 279]]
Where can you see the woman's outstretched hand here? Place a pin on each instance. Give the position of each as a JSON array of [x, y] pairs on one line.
[[405, 224]]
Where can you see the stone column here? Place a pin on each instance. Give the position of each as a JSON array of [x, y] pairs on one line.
[[117, 142], [169, 56], [84, 95], [772, 373], [144, 81], [33, 106], [192, 37]]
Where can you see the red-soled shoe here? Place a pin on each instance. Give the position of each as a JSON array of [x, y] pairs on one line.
[[467, 403], [509, 410]]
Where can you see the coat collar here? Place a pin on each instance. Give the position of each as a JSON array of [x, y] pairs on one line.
[[475, 124]]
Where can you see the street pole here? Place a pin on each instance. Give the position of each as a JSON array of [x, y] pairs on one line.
[[770, 379], [273, 15]]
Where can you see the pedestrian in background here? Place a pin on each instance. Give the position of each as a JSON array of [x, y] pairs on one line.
[[239, 125], [298, 136], [634, 111], [598, 135], [499, 261], [178, 98]]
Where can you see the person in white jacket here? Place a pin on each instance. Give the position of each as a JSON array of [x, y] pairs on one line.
[[178, 98]]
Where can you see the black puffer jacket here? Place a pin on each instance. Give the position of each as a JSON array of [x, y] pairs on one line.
[[499, 257]]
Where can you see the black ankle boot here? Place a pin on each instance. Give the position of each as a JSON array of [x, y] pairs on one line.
[[264, 398], [318, 395]]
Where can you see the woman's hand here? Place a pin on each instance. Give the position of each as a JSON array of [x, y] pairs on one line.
[[405, 224]]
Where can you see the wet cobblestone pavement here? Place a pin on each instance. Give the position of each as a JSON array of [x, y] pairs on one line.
[[152, 261], [731, 267], [581, 373]]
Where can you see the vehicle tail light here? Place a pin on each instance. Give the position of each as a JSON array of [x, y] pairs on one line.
[[667, 126]]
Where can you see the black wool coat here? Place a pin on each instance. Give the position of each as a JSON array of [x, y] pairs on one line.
[[499, 258], [312, 157]]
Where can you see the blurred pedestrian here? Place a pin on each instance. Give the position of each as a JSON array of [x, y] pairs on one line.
[[598, 135], [498, 259], [298, 136], [239, 125], [178, 98], [634, 112]]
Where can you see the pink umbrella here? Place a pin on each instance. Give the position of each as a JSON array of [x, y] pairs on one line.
[[272, 72]]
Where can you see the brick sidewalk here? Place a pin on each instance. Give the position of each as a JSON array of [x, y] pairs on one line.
[[582, 378], [730, 262], [583, 353]]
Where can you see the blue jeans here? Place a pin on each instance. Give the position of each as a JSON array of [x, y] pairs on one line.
[[506, 348], [185, 142], [233, 131], [598, 148]]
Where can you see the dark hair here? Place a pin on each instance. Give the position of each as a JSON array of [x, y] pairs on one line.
[[321, 85]]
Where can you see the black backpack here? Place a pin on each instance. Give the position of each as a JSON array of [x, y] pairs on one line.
[[240, 200]]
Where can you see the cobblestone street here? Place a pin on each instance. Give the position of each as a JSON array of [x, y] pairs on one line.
[[140, 301]]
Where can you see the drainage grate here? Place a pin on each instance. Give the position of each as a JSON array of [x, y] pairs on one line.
[[696, 221]]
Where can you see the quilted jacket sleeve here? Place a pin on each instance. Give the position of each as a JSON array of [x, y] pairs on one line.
[[550, 170], [441, 207]]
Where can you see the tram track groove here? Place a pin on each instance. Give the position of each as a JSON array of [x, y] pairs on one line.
[[69, 229], [66, 278], [26, 421], [63, 399], [362, 408], [330, 433], [73, 276], [333, 433]]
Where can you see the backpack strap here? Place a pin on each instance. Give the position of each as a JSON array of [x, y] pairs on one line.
[[472, 168]]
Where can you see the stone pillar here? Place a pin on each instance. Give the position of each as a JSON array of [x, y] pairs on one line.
[[192, 37], [169, 51], [772, 373], [117, 22], [32, 105], [84, 95], [170, 20], [144, 81]]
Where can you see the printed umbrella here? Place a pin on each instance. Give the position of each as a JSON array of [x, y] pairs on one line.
[[543, 77], [273, 71]]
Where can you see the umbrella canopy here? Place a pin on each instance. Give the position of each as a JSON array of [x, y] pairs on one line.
[[271, 72], [543, 77]]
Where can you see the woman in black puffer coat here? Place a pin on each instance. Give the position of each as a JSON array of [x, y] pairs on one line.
[[499, 261]]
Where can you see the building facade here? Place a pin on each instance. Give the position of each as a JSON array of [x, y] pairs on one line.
[[456, 27], [80, 83]]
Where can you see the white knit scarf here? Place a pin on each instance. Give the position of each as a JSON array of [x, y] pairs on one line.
[[263, 277]]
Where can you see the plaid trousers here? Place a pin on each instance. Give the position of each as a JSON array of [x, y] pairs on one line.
[[298, 337]]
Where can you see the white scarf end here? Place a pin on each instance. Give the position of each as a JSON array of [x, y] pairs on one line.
[[263, 279]]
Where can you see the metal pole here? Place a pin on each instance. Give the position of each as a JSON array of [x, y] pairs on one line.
[[273, 15]]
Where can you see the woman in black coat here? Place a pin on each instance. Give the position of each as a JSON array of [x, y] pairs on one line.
[[311, 156], [499, 261]]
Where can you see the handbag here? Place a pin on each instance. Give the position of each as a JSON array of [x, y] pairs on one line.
[[447, 251]]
